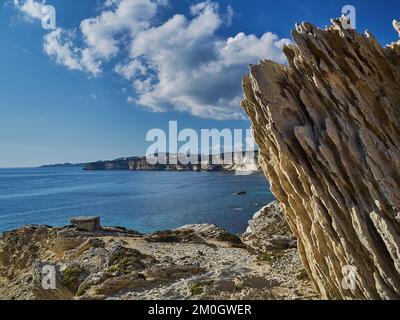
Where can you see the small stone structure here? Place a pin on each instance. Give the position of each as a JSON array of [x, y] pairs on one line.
[[86, 223]]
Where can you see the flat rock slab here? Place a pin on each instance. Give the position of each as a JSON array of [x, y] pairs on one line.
[[86, 223]]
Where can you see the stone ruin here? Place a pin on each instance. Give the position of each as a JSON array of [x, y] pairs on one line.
[[86, 223]]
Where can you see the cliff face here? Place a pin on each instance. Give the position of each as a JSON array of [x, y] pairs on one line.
[[239, 163], [328, 129]]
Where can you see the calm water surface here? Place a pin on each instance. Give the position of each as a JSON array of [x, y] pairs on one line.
[[143, 201]]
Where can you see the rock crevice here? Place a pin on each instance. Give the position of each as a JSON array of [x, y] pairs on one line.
[[328, 128]]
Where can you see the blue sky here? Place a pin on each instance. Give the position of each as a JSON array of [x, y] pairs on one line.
[[114, 69]]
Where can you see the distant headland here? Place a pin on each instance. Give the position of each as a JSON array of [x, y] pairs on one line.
[[64, 165], [221, 162]]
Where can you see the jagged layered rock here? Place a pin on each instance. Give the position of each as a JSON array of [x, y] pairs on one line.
[[328, 128]]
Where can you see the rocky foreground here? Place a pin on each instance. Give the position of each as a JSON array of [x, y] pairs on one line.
[[192, 262], [327, 125]]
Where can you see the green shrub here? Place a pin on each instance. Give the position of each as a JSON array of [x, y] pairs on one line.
[[70, 277], [126, 260], [228, 237], [198, 288], [167, 236], [83, 289], [270, 256]]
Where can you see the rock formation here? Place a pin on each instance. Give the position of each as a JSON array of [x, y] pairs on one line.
[[268, 230], [192, 262], [328, 128]]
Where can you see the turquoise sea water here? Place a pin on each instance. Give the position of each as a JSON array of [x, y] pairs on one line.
[[143, 201]]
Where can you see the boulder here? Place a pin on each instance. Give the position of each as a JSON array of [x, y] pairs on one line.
[[268, 230]]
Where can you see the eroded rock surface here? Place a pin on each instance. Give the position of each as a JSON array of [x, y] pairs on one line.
[[192, 262], [268, 230], [328, 128]]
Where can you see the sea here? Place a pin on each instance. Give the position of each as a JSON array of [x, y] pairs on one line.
[[145, 201]]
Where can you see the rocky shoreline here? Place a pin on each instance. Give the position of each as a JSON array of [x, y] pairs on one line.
[[191, 262]]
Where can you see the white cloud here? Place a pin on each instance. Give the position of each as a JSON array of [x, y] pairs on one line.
[[143, 86], [131, 70], [195, 70], [179, 64], [59, 45], [230, 13], [110, 3], [131, 16], [31, 9]]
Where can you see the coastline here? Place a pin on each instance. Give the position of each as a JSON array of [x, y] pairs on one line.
[[143, 201]]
